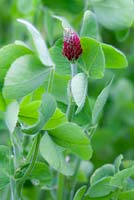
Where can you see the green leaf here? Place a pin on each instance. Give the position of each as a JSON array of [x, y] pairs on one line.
[[121, 177], [57, 119], [2, 103], [61, 62], [11, 115], [80, 193], [39, 43], [4, 166], [100, 102], [92, 60], [79, 86], [28, 112], [41, 174], [83, 118], [59, 88], [25, 75], [126, 195], [64, 22], [71, 136], [101, 188], [114, 58], [46, 111], [8, 54], [104, 171], [53, 154], [117, 162], [89, 25], [114, 15]]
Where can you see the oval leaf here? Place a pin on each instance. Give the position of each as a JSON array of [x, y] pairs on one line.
[[114, 15], [101, 188], [113, 57], [25, 75], [92, 60], [80, 193], [104, 171], [11, 115], [53, 154], [79, 86], [71, 136], [89, 25], [8, 54]]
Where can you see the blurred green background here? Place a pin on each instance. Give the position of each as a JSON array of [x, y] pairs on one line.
[[115, 132]]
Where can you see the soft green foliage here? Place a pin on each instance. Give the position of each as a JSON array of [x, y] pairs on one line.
[[27, 66], [92, 60], [100, 102], [11, 116], [65, 23], [73, 138], [62, 64], [126, 195], [114, 15], [113, 57], [54, 156], [61, 127], [8, 54], [46, 111], [39, 43], [80, 193], [104, 171], [89, 26], [79, 86], [41, 174], [101, 188]]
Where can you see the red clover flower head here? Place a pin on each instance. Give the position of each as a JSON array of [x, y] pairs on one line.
[[71, 46]]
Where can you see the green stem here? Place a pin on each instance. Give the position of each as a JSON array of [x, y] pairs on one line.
[[69, 114], [60, 186], [51, 78], [31, 165], [75, 178], [33, 160], [71, 104], [73, 69], [13, 163]]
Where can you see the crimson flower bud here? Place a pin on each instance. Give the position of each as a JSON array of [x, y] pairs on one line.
[[71, 45]]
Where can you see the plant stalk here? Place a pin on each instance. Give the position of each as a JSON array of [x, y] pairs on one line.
[[31, 165], [51, 78], [13, 163], [69, 114], [71, 104], [60, 186]]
